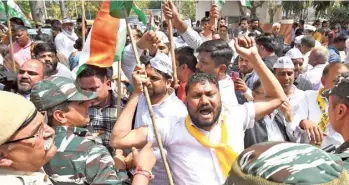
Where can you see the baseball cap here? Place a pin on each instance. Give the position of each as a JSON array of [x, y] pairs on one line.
[[294, 53], [16, 113], [67, 20], [273, 163], [162, 63], [53, 91], [283, 63], [341, 87]]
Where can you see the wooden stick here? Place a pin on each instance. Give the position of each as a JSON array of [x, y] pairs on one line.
[[83, 22], [119, 90], [150, 108], [173, 57], [10, 38]]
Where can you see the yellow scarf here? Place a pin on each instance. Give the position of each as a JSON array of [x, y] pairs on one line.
[[225, 154], [324, 115]]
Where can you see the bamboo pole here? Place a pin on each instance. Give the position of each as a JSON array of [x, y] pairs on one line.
[[118, 102], [83, 23], [173, 57], [10, 37], [150, 108]]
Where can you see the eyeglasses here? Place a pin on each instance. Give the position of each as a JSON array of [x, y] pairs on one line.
[[39, 133]]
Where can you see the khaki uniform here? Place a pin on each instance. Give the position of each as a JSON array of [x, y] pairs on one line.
[[24, 178]]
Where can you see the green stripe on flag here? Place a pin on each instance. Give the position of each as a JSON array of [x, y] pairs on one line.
[[140, 13], [219, 4], [248, 4], [14, 11], [117, 8]]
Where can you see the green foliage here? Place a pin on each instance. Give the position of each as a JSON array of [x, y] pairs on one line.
[[297, 8], [187, 9], [24, 5], [338, 15], [254, 5], [321, 7]]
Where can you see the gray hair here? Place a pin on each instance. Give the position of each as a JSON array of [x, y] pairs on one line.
[[322, 54]]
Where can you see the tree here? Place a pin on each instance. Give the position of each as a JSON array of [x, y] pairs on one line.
[[296, 8], [273, 7], [187, 9], [338, 15], [254, 6], [321, 7], [37, 10]]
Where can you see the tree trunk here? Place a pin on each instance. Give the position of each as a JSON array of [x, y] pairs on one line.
[[253, 11], [37, 9], [242, 9], [63, 10]]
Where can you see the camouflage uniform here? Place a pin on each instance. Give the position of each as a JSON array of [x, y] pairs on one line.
[[287, 163], [82, 159], [343, 152]]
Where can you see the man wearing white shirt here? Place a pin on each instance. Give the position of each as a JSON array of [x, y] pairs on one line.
[[284, 72], [193, 144], [315, 110], [318, 59], [65, 40], [166, 106]]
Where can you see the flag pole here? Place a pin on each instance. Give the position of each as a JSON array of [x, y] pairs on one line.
[[83, 23], [173, 57], [10, 37], [150, 108], [118, 102]]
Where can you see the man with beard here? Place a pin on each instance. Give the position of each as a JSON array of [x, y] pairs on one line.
[[254, 25], [28, 75], [207, 140], [166, 105], [46, 53], [81, 158], [22, 45], [65, 40], [284, 72], [298, 60], [26, 142]]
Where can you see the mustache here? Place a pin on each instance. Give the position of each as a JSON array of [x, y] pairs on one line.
[[205, 107], [27, 80]]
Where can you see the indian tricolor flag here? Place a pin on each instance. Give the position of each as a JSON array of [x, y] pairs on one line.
[[105, 42]]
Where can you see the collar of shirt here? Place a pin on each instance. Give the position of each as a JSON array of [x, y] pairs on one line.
[[225, 82], [77, 132], [171, 93], [37, 175], [334, 49], [207, 133], [244, 77], [318, 66]]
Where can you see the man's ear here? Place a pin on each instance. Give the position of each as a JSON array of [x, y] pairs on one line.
[[108, 83], [222, 69], [59, 116], [342, 111], [168, 83]]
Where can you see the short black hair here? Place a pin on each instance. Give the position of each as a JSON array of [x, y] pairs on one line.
[[56, 24], [253, 19], [78, 43], [331, 66], [223, 26], [44, 47], [19, 28], [219, 50], [308, 41], [79, 19], [145, 59], [340, 38], [244, 18], [99, 72], [205, 19], [267, 41], [185, 55], [139, 33], [43, 37], [301, 22], [17, 21], [257, 84], [299, 32], [201, 78], [252, 34]]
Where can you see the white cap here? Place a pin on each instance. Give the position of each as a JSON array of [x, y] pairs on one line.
[[67, 20], [309, 27], [1, 60], [283, 63], [294, 53], [298, 39], [162, 63]]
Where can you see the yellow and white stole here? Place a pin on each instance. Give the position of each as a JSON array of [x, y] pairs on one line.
[[324, 115], [225, 154]]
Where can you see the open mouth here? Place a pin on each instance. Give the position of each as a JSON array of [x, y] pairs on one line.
[[206, 113]]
